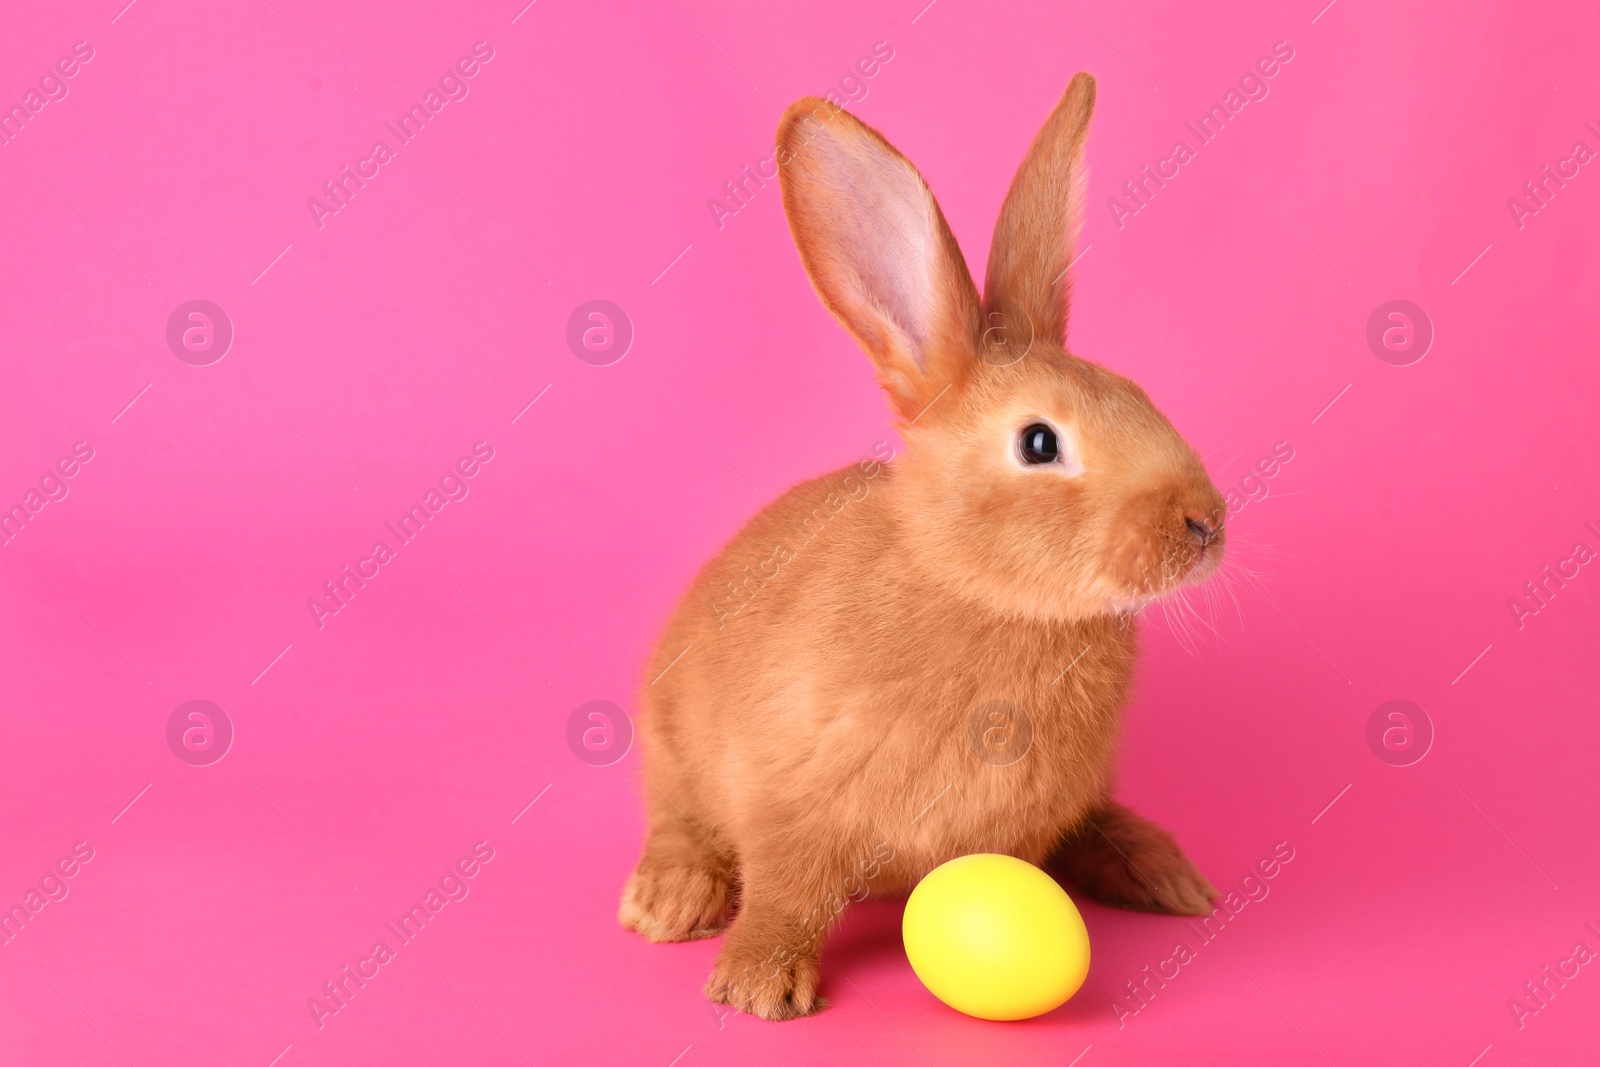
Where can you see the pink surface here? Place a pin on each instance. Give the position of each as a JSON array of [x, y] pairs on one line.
[[371, 753]]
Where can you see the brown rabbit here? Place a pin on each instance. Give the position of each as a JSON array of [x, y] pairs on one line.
[[895, 665]]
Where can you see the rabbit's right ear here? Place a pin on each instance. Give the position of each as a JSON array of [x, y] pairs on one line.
[[878, 251], [1034, 237]]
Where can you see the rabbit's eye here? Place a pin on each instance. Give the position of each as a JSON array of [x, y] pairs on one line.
[[1039, 444]]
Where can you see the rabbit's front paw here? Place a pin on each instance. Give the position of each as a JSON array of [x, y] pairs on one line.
[[675, 902], [778, 984]]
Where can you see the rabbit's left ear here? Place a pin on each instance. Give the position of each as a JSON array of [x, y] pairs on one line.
[[878, 252], [1038, 226]]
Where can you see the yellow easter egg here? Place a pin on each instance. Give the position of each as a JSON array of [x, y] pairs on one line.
[[995, 937]]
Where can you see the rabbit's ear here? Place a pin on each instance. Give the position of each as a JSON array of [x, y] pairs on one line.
[[1038, 226], [878, 251]]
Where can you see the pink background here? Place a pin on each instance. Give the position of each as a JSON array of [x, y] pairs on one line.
[[427, 314]]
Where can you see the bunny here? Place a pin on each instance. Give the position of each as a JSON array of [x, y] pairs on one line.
[[930, 656]]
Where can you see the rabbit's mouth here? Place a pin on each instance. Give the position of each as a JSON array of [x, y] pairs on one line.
[[1189, 562], [1206, 561]]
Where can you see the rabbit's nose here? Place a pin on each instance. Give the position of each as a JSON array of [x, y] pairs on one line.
[[1203, 531]]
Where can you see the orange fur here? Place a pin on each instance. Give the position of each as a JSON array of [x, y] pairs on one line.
[[823, 736]]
